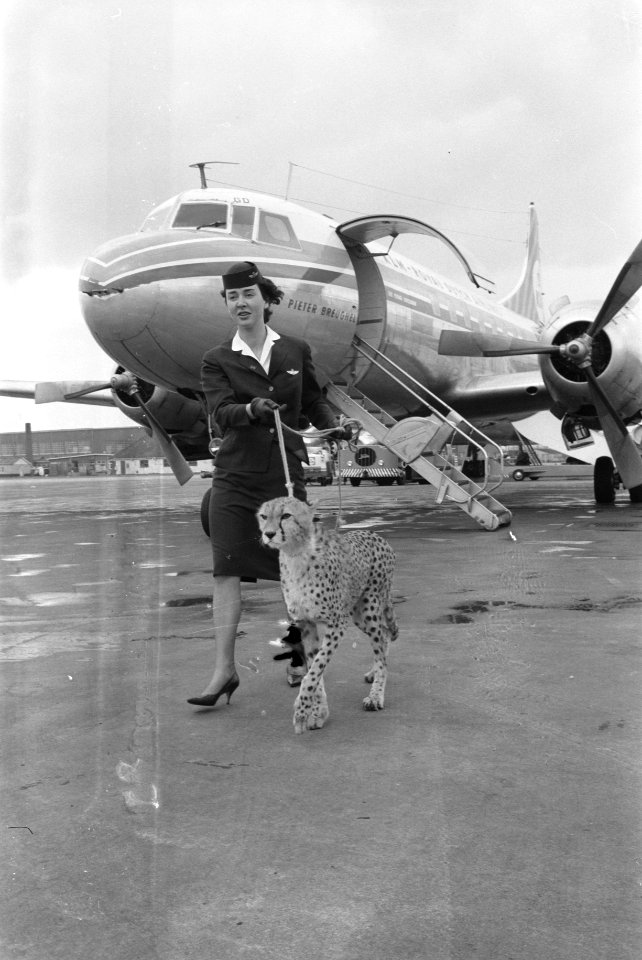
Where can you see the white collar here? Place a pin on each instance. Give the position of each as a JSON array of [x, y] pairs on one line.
[[271, 336]]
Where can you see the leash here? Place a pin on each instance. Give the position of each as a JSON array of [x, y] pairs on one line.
[[317, 433], [289, 486]]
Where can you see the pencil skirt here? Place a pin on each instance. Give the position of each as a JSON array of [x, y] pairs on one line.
[[234, 531]]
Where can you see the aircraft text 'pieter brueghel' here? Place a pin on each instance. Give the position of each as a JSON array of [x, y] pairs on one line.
[[423, 363]]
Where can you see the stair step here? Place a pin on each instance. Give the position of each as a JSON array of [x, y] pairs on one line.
[[451, 484]]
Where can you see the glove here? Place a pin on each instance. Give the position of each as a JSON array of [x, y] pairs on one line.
[[340, 433], [262, 409]]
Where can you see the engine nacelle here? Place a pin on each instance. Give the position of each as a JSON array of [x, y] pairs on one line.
[[183, 418], [616, 360]]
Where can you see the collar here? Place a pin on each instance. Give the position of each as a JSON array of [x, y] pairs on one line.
[[271, 336]]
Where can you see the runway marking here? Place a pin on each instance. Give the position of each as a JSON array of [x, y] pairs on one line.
[[28, 573], [19, 557], [376, 521], [99, 583], [58, 599], [568, 542], [561, 550]]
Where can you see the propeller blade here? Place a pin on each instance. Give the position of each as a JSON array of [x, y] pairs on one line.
[[603, 405], [172, 454], [462, 343], [628, 282], [66, 390], [624, 452]]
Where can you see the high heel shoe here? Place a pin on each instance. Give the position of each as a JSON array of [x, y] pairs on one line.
[[209, 700]]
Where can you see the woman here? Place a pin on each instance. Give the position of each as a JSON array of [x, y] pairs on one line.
[[245, 380]]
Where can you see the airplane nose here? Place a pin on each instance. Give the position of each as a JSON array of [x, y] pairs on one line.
[[115, 314]]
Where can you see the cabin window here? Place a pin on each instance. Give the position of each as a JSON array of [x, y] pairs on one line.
[[201, 215], [242, 221], [276, 229]]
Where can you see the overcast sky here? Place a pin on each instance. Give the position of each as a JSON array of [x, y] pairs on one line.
[[466, 111]]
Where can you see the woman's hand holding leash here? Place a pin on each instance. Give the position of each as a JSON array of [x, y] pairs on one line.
[[262, 409]]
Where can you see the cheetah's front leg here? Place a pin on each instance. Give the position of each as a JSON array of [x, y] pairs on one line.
[[311, 705], [368, 617]]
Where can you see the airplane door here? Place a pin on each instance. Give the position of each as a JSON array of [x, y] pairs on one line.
[[355, 234], [372, 314]]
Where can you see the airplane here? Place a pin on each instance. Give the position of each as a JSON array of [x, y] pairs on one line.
[[424, 363]]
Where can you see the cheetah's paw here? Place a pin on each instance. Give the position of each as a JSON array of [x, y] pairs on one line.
[[373, 701]]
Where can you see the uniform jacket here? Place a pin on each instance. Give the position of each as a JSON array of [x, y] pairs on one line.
[[231, 380]]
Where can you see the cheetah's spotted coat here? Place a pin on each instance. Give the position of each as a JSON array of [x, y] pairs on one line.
[[326, 578]]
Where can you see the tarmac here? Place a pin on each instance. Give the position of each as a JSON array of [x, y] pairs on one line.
[[492, 811]]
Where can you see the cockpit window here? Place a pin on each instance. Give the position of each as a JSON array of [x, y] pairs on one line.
[[242, 220], [276, 229], [202, 215], [159, 216]]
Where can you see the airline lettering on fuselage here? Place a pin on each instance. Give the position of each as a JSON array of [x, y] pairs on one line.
[[308, 306], [338, 314]]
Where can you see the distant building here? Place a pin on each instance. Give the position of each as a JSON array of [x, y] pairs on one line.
[[110, 451], [48, 443], [15, 467]]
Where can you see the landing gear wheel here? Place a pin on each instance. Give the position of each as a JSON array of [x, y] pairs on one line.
[[604, 480], [635, 494], [205, 511]]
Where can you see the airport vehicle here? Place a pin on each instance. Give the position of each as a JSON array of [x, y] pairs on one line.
[[370, 460], [319, 468], [420, 361]]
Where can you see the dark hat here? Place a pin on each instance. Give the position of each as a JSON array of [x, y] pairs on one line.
[[244, 274]]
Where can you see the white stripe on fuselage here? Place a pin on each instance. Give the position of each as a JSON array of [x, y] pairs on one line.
[[150, 248], [444, 293], [169, 264]]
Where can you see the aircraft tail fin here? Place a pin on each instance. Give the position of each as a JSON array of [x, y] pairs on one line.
[[526, 299]]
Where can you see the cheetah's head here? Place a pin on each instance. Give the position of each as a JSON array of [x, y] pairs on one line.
[[286, 524]]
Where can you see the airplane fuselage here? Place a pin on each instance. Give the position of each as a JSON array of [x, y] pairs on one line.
[[152, 299]]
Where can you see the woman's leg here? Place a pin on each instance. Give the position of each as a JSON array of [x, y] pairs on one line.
[[226, 613]]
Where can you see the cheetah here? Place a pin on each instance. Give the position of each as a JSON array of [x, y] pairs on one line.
[[327, 577]]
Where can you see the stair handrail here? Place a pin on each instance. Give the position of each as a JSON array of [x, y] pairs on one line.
[[358, 344]]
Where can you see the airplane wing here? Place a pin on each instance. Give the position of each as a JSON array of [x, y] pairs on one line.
[[25, 390]]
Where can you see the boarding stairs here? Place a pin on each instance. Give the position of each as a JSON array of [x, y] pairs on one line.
[[428, 443]]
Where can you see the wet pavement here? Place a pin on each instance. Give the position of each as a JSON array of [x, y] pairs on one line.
[[493, 810]]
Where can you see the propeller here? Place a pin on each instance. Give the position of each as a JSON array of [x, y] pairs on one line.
[[627, 283], [180, 467], [71, 390], [579, 352], [67, 390]]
